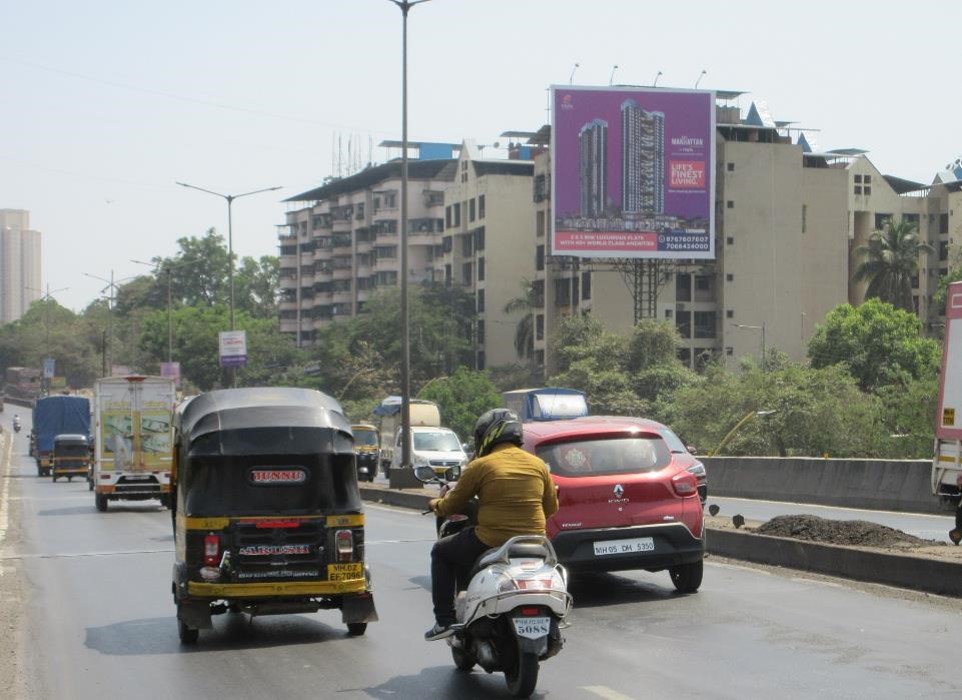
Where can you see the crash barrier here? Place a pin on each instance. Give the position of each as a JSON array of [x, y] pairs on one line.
[[872, 484]]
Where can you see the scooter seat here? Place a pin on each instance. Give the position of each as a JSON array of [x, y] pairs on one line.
[[515, 550]]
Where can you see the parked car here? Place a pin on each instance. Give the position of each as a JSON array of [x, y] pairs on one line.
[[626, 500], [434, 447], [675, 444]]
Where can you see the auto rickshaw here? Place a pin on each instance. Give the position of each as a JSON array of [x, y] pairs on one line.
[[71, 456], [367, 444], [267, 512]]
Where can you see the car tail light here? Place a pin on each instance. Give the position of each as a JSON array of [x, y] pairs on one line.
[[344, 543], [684, 484], [211, 550]]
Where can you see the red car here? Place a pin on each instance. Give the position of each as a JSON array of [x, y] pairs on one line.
[[626, 500]]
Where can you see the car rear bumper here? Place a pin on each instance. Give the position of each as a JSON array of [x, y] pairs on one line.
[[674, 544]]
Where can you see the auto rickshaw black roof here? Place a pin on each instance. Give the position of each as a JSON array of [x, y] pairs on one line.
[[302, 421]]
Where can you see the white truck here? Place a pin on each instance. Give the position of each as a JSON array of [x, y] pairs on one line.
[[947, 463], [133, 428]]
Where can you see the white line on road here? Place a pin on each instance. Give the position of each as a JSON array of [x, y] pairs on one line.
[[603, 691], [75, 555]]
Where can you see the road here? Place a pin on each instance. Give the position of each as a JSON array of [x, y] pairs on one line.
[[929, 527], [100, 623]]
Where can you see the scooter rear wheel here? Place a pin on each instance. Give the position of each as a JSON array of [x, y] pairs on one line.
[[463, 661], [523, 678]]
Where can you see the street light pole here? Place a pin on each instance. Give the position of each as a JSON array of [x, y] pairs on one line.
[[169, 269], [764, 347], [47, 296], [405, 6]]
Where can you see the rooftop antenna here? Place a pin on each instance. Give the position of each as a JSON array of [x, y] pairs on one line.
[[703, 74], [572, 76], [655, 84], [612, 76]]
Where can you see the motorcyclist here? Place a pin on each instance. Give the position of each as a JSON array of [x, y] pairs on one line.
[[515, 497], [16, 421]]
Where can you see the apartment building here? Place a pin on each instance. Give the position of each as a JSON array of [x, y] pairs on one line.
[[487, 244], [789, 222], [340, 241], [20, 264]]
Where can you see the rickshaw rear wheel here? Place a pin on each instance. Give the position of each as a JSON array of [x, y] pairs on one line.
[[356, 629], [188, 635], [101, 501], [69, 478]]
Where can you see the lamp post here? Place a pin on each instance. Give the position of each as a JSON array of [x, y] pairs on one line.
[[757, 328], [731, 433], [168, 268], [111, 286], [230, 235], [405, 7], [46, 296]]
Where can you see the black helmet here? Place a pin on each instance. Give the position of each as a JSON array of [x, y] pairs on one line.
[[494, 427]]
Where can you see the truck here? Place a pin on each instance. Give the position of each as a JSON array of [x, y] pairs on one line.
[[133, 455], [53, 416], [947, 462], [389, 417], [545, 403]]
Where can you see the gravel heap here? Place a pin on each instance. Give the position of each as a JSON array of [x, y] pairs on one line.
[[858, 533]]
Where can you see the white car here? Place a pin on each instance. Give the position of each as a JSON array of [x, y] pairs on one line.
[[434, 447]]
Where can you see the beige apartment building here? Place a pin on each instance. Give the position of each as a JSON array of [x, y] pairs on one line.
[[487, 245], [788, 225], [340, 242], [20, 264]]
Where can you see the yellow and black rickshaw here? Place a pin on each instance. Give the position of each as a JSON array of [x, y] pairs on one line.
[[367, 450], [267, 513], [71, 456]]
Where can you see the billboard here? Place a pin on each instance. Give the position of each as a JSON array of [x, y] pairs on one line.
[[171, 370], [233, 348], [633, 172]]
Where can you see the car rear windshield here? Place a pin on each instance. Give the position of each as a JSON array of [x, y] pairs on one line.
[[364, 437], [633, 455], [436, 441]]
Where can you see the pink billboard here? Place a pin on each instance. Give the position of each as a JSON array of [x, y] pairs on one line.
[[633, 172]]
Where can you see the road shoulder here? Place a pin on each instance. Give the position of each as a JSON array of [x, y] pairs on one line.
[[13, 598]]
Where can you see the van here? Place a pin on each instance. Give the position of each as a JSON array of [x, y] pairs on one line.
[[432, 446]]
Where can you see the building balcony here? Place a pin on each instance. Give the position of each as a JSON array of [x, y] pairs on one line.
[[287, 305], [386, 264], [288, 325], [287, 261], [343, 273]]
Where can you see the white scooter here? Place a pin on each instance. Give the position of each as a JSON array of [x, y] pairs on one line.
[[516, 603]]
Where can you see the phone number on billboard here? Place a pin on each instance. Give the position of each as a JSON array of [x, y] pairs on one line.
[[683, 243]]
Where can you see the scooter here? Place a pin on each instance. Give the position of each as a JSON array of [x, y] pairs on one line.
[[510, 616]]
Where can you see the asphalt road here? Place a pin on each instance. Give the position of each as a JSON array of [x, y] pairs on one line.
[[100, 624], [929, 527]]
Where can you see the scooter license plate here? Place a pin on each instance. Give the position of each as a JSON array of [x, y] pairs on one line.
[[532, 627], [639, 544]]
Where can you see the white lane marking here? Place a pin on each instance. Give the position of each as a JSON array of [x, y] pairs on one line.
[[393, 509], [843, 508], [77, 555], [603, 691]]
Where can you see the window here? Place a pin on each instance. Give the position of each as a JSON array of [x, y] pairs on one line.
[[669, 313], [867, 179], [539, 327], [881, 220], [867, 190], [943, 250], [480, 206], [447, 243], [619, 455], [539, 358], [480, 304], [586, 285], [479, 238], [385, 252], [704, 324], [858, 189], [481, 359], [466, 273], [539, 224], [683, 323], [729, 277], [730, 204], [682, 287], [467, 245], [730, 313], [702, 283], [447, 216], [456, 211], [729, 350], [730, 240], [471, 210], [858, 178], [480, 269], [730, 167], [480, 331], [943, 223], [539, 258], [804, 218], [447, 275]]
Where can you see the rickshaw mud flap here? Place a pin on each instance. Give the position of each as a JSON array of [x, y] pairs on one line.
[[358, 608], [195, 615]]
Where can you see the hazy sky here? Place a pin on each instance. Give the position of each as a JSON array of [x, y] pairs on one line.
[[103, 105]]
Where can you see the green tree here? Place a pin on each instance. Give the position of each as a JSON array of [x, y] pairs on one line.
[[890, 260], [462, 398], [255, 286], [881, 345], [525, 304]]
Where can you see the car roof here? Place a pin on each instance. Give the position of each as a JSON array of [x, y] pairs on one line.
[[589, 425]]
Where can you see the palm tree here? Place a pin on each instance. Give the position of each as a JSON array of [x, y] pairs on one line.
[[524, 331], [891, 259]]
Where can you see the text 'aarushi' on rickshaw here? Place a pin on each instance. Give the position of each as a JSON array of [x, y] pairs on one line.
[[267, 513]]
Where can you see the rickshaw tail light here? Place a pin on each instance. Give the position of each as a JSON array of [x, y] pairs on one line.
[[344, 542], [211, 550]]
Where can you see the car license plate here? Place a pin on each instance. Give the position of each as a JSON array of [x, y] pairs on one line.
[[532, 627], [639, 544], [344, 572]]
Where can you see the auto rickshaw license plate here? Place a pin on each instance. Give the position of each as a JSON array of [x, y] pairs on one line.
[[345, 572]]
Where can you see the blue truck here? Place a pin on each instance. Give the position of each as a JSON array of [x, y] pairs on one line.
[[53, 416], [546, 403]]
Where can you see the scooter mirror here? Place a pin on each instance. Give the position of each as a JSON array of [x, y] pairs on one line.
[[452, 473], [425, 474]]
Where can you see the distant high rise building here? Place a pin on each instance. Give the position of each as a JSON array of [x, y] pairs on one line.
[[593, 163], [642, 159], [20, 271]]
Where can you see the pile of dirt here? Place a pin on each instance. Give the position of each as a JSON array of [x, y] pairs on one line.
[[855, 533]]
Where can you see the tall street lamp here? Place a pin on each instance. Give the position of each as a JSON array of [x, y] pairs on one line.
[[405, 7], [230, 234], [111, 286], [168, 268], [757, 328]]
